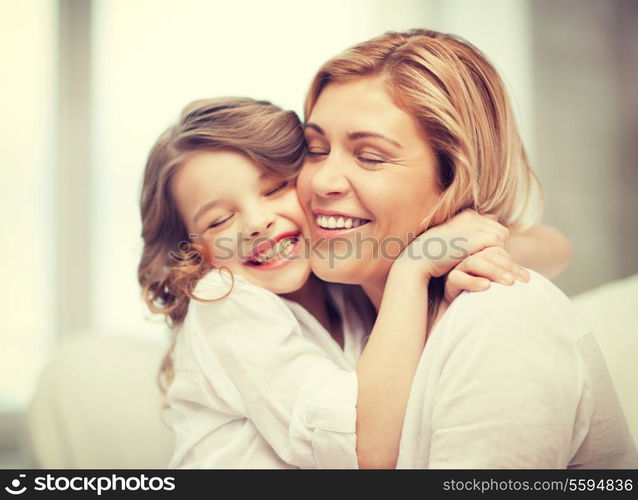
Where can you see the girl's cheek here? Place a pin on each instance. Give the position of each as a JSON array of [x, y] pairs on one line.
[[292, 205], [221, 248], [303, 183]]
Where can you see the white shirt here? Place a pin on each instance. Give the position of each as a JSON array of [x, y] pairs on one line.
[[512, 378], [259, 383]]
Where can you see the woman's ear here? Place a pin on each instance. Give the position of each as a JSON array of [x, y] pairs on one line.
[[439, 213]]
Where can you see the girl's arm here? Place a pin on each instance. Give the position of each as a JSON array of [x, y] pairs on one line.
[[387, 365], [541, 248]]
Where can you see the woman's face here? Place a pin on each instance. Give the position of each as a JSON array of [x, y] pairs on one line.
[[250, 223], [368, 182]]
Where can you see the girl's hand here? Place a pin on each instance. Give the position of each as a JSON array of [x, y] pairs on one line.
[[441, 248], [475, 272]]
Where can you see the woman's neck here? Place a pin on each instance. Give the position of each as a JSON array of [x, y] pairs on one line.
[[374, 290], [309, 295]]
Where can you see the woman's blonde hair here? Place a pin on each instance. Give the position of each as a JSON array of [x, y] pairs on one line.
[[171, 265], [461, 104]]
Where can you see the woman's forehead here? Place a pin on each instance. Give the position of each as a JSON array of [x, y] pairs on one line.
[[362, 105]]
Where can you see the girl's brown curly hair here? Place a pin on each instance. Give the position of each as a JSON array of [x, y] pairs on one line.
[[171, 265]]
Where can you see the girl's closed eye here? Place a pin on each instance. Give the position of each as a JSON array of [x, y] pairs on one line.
[[277, 188], [219, 222]]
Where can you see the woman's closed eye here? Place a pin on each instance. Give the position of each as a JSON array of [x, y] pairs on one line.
[[370, 159], [315, 152]]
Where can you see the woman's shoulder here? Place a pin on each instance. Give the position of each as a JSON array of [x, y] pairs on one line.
[[522, 296], [536, 304]]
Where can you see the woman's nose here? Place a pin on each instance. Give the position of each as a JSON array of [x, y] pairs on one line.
[[329, 179]]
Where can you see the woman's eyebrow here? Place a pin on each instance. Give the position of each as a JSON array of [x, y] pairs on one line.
[[314, 127], [353, 136]]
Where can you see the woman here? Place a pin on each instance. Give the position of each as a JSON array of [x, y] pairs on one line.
[[405, 131]]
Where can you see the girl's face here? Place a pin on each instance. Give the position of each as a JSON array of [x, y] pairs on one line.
[[369, 180], [250, 222]]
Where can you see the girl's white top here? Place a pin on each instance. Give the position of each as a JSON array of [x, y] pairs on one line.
[[259, 383]]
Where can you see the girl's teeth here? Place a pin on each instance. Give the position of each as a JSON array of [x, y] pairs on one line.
[[332, 223], [280, 248], [347, 223]]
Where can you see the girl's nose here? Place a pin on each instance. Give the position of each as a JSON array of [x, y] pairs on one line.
[[259, 225]]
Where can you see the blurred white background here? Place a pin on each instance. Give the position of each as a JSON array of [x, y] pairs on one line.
[[87, 86]]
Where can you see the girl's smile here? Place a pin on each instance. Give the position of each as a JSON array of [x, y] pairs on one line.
[[276, 252]]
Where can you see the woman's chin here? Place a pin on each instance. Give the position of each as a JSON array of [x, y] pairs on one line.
[[348, 271]]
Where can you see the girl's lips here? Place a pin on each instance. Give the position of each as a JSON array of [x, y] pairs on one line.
[[278, 261], [264, 246]]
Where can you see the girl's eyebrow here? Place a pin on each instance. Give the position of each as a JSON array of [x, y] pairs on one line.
[[204, 208], [353, 136]]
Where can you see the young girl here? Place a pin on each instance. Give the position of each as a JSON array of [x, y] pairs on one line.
[[263, 371]]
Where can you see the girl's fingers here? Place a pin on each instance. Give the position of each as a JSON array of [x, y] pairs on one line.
[[459, 281], [478, 265], [481, 240], [503, 260]]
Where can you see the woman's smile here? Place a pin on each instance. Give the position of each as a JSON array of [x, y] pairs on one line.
[[332, 224]]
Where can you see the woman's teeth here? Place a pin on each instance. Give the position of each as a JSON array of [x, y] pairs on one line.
[[331, 222], [280, 248]]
